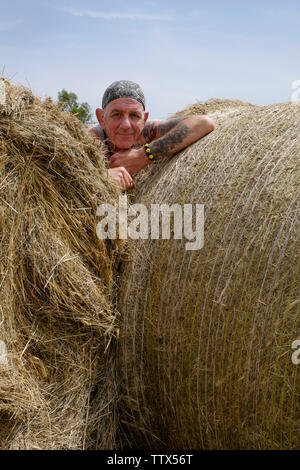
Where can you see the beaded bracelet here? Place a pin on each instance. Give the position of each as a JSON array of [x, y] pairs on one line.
[[149, 154]]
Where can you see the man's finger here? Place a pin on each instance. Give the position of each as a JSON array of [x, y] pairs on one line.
[[123, 183], [129, 181], [127, 178]]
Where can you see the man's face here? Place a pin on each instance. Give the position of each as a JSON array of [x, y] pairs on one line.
[[123, 121]]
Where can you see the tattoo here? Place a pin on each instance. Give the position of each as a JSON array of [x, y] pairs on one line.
[[156, 129], [150, 131], [164, 147]]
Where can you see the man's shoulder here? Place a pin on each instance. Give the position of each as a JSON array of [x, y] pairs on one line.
[[153, 123], [149, 131], [156, 128], [96, 131]]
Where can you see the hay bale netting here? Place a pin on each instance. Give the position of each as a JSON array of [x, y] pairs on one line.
[[205, 354], [57, 384]]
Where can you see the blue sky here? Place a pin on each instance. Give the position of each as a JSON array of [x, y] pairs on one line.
[[179, 51]]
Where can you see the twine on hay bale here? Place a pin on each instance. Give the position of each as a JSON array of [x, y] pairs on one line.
[[57, 383], [205, 347]]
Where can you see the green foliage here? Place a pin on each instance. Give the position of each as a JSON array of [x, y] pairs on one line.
[[70, 105]]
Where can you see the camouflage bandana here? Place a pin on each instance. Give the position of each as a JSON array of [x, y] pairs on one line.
[[123, 89]]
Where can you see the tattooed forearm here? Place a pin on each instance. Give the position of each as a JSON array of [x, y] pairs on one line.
[[166, 138], [165, 146]]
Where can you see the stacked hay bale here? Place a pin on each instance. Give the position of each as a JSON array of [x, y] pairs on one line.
[[57, 383], [206, 335]]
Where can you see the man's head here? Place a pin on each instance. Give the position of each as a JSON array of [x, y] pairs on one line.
[[123, 115]]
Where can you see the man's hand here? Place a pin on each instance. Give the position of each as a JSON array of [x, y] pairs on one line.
[[121, 177], [133, 160]]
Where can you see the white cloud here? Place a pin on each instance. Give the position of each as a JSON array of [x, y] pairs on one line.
[[115, 15]]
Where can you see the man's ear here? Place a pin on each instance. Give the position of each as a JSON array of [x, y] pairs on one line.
[[146, 115], [100, 114]]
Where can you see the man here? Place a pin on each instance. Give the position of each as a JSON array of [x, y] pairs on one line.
[[132, 141]]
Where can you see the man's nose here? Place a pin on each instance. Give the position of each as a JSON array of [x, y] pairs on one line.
[[125, 123]]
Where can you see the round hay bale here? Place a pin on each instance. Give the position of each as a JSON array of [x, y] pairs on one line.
[[212, 105], [57, 384], [205, 352]]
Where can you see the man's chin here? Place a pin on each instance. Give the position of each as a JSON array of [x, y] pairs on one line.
[[125, 144]]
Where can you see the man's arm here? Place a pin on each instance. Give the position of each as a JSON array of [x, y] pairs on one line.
[[169, 137], [166, 138]]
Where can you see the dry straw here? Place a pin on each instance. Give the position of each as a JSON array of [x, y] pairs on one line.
[[57, 384], [205, 350]]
